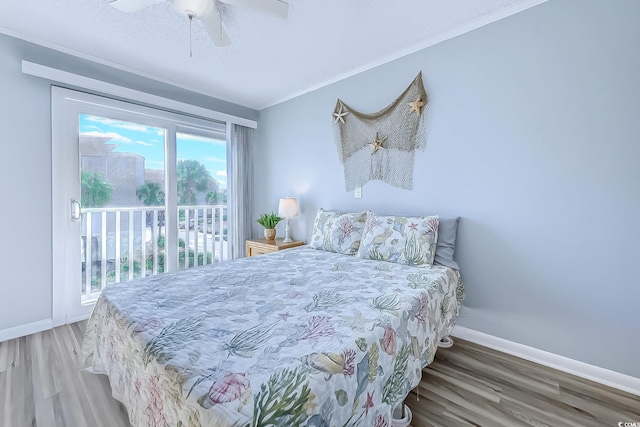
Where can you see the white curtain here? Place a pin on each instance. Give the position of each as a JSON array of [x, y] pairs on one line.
[[239, 187]]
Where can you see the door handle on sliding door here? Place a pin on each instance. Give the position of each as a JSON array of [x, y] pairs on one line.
[[75, 210]]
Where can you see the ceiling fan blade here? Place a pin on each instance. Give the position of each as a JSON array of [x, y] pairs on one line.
[[129, 6], [213, 26], [276, 8]]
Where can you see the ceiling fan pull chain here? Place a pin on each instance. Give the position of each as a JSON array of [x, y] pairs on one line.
[[190, 49]]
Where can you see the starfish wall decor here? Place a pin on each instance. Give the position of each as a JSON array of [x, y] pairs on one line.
[[377, 143], [404, 133], [417, 106], [339, 114]]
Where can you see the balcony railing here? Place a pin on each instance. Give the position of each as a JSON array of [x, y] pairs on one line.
[[128, 243]]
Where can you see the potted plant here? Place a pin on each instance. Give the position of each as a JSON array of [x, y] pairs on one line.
[[269, 222]]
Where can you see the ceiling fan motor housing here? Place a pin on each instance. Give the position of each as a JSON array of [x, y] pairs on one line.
[[195, 8]]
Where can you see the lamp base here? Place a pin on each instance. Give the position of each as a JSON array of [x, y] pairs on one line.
[[287, 236]]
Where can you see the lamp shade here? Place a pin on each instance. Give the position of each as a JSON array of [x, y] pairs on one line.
[[288, 208]]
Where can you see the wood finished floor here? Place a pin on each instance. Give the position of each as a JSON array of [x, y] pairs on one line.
[[40, 386], [467, 385], [471, 385]]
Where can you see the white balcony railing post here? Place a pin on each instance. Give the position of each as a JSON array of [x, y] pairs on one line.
[[155, 235], [205, 232], [118, 248], [88, 255], [187, 243], [103, 250], [143, 243], [130, 256], [196, 233]]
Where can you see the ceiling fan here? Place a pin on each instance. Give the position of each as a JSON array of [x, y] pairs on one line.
[[203, 11]]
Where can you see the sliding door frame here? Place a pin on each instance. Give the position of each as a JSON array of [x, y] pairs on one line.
[[66, 106]]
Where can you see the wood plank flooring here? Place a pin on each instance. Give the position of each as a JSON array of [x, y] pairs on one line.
[[467, 385], [40, 386], [471, 385]]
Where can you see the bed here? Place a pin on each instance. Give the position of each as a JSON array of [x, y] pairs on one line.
[[302, 337]]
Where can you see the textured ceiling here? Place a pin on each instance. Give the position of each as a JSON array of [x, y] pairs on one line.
[[269, 60]]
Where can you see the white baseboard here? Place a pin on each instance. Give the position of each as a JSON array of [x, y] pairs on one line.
[[24, 330], [584, 370]]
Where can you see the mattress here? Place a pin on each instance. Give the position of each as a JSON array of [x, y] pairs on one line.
[[300, 337]]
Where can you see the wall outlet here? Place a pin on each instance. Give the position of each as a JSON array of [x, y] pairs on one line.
[[357, 193]]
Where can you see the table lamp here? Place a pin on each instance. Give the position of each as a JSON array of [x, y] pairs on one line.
[[287, 208]]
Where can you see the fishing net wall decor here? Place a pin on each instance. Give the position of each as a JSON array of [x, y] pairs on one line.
[[382, 145]]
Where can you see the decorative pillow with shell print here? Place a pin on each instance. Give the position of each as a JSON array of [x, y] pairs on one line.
[[400, 239], [337, 231]]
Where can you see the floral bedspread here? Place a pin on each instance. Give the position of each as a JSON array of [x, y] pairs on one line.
[[300, 337]]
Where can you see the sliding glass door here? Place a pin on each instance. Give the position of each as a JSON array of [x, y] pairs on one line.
[[136, 192]]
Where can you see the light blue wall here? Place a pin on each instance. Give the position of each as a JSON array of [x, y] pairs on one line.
[[25, 170], [535, 142]]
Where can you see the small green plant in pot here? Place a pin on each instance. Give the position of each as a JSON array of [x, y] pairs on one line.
[[269, 222]]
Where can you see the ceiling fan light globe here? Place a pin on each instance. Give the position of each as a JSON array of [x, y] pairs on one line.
[[198, 8]]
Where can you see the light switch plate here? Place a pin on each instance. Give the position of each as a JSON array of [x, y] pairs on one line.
[[357, 193]]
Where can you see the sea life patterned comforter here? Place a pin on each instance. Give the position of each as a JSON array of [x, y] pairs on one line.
[[300, 337]]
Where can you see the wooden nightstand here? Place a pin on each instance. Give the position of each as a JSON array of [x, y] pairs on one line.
[[264, 246]]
